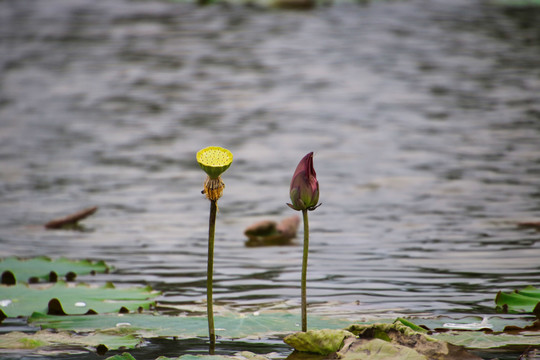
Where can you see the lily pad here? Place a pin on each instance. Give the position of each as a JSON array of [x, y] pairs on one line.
[[20, 340], [496, 323], [377, 342], [398, 341], [244, 355], [498, 332], [377, 349], [123, 356], [526, 300], [278, 323], [63, 298], [324, 342], [230, 326], [43, 268], [481, 340]]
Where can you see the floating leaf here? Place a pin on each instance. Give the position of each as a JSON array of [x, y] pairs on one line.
[[481, 340], [389, 341], [274, 323], [493, 323], [42, 268], [20, 340], [244, 355], [526, 300], [503, 332], [372, 330], [23, 300], [324, 342], [377, 349], [231, 326], [123, 356], [411, 325]]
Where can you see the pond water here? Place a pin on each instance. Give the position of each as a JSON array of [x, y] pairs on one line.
[[424, 117]]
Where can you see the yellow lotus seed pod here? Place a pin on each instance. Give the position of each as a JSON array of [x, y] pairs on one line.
[[214, 160]]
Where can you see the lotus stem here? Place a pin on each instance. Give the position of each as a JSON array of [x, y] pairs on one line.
[[304, 270], [210, 274], [214, 160]]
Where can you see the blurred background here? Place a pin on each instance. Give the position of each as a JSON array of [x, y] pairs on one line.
[[424, 117]]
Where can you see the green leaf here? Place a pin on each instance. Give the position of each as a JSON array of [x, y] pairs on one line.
[[525, 300], [322, 342], [377, 349], [23, 300], [411, 325], [198, 357], [399, 342], [530, 291], [481, 340], [230, 326], [371, 330], [495, 323], [40, 268], [244, 355], [20, 340], [123, 356], [507, 331]]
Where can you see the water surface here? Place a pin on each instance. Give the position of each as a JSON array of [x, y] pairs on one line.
[[423, 116]]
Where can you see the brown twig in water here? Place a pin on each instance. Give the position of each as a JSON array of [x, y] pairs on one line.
[[530, 224], [71, 220]]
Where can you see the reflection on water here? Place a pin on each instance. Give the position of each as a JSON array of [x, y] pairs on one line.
[[424, 120]]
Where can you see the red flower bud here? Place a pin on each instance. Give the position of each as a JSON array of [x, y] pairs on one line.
[[304, 186]]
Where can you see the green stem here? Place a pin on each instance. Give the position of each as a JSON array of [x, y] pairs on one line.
[[304, 270], [210, 275]]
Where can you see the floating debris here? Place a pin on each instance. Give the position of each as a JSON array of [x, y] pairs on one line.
[[71, 221], [270, 233], [484, 324], [529, 224]]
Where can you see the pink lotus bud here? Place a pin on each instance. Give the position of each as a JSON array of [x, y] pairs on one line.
[[304, 186]]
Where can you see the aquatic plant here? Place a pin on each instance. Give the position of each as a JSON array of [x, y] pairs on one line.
[[43, 269], [214, 160], [304, 193], [62, 298], [525, 300]]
